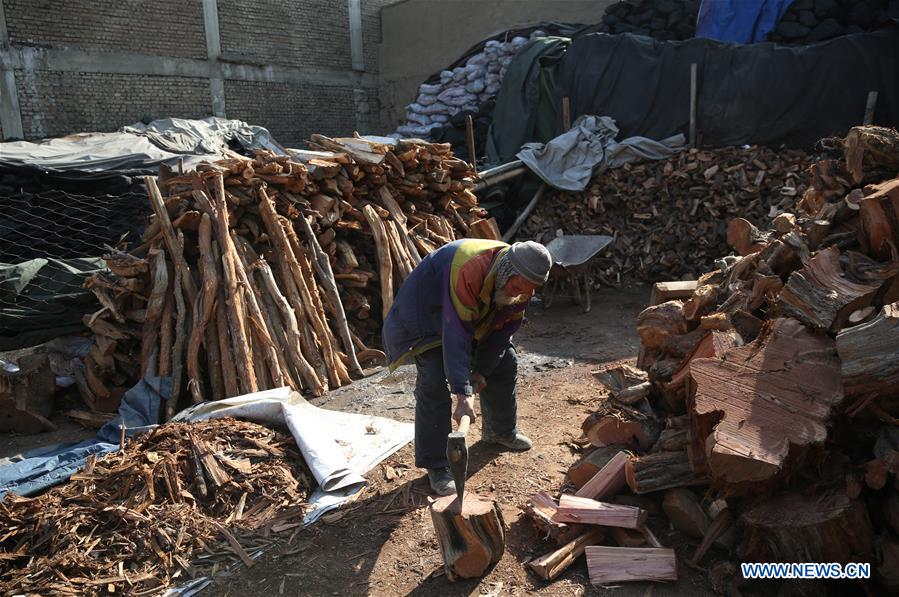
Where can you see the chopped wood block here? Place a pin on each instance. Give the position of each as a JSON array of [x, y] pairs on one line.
[[818, 528], [540, 509], [660, 324], [470, 539], [629, 537], [612, 430], [869, 147], [820, 296], [608, 481], [487, 229], [554, 563], [661, 470], [713, 344], [682, 508], [869, 355], [589, 464], [623, 564], [760, 401], [667, 291], [586, 511], [701, 302]]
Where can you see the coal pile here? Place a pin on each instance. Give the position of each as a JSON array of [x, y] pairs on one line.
[[810, 21], [660, 19]]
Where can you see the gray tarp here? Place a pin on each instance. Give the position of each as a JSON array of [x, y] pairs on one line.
[[138, 148], [568, 161]]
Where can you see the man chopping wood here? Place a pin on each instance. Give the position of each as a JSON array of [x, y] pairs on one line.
[[455, 315]]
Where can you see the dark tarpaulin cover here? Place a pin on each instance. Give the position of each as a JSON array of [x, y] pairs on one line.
[[760, 93]]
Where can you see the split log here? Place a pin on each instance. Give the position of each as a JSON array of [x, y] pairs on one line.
[[669, 291], [870, 147], [233, 297], [794, 528], [551, 565], [486, 229], [764, 402], [608, 481], [661, 470], [155, 308], [323, 267], [181, 324], [625, 383], [230, 379], [704, 299], [589, 464], [619, 430], [684, 512], [471, 540], [203, 308], [745, 238], [580, 510], [869, 355], [385, 266], [622, 564], [820, 295], [541, 509], [169, 237], [711, 345]]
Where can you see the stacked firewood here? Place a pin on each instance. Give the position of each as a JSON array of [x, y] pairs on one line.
[[669, 218], [762, 419], [134, 521], [273, 271]]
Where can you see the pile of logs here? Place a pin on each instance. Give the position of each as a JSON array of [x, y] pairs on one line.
[[763, 417], [273, 271], [669, 218], [138, 520]]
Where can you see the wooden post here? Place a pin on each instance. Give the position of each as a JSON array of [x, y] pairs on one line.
[[469, 132], [510, 233], [693, 105], [566, 114], [869, 108]]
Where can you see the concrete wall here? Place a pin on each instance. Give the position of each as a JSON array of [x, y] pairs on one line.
[[293, 66], [420, 37]]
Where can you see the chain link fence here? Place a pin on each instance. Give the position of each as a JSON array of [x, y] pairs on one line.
[[50, 242]]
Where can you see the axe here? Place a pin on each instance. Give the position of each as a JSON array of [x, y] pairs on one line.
[[457, 455]]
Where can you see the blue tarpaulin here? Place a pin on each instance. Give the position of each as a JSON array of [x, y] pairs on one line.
[[42, 468], [740, 21]]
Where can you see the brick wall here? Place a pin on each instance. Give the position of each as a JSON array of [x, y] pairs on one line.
[[161, 27], [60, 103], [301, 33], [292, 112]]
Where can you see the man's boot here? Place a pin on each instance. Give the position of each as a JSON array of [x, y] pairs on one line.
[[441, 480]]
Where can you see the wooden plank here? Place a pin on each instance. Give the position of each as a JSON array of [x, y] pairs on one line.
[[622, 564], [608, 481], [667, 291], [586, 511]]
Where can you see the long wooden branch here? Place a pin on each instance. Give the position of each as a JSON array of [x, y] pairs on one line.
[[385, 265], [169, 237]]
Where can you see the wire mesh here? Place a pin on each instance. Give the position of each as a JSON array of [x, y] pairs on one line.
[[67, 234]]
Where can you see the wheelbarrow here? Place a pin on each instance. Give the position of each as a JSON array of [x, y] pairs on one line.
[[572, 259]]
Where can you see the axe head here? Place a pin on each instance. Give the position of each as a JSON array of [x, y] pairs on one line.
[[457, 455]]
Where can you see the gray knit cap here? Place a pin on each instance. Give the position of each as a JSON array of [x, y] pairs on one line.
[[531, 261]]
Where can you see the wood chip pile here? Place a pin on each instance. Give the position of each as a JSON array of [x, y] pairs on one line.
[[669, 217], [175, 502], [763, 421], [260, 273]]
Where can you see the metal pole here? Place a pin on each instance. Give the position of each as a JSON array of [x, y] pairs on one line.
[[869, 107]]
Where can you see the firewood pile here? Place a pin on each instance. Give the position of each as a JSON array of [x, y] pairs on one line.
[[273, 271], [762, 420], [169, 506], [669, 217]]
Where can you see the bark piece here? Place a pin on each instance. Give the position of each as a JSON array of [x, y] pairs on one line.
[[661, 470], [869, 355], [470, 540]]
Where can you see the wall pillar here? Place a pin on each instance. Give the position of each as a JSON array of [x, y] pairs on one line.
[[10, 113], [214, 53]]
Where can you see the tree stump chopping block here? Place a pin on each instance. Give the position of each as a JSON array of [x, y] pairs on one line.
[[471, 540]]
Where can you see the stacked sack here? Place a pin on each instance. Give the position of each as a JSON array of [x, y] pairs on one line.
[[462, 88]]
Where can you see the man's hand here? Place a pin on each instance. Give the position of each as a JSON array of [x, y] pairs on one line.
[[478, 383], [464, 406]]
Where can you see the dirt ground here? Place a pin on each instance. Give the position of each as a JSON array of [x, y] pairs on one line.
[[383, 543]]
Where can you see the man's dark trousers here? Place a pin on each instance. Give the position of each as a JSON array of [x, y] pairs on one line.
[[434, 405]]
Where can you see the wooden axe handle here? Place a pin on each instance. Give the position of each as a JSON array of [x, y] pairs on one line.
[[464, 422]]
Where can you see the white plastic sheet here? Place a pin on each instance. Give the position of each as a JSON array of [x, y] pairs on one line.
[[339, 447]]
